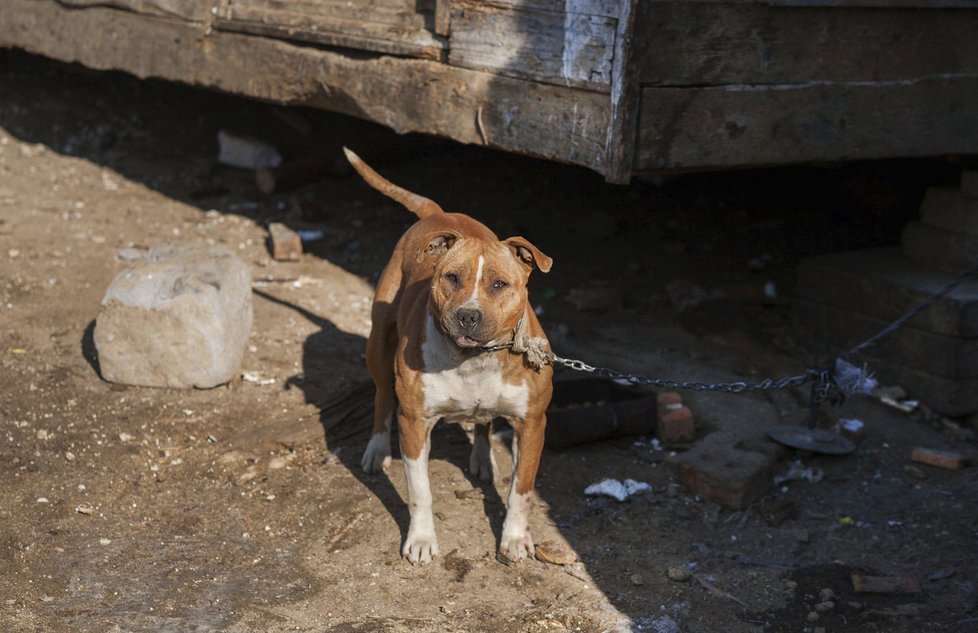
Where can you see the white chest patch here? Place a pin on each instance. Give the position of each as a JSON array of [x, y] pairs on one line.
[[458, 387]]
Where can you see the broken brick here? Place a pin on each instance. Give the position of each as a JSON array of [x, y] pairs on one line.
[[720, 470], [942, 459], [676, 426], [284, 243]]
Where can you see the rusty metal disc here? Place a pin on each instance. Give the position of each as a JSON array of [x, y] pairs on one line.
[[814, 440]]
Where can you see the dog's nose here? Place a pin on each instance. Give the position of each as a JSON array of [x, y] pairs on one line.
[[468, 319]]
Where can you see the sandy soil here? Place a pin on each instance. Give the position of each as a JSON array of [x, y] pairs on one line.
[[243, 508]]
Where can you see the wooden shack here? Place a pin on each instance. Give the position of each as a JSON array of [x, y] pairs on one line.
[[618, 86]]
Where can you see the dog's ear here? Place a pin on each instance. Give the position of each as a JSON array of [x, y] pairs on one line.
[[528, 254], [437, 244]]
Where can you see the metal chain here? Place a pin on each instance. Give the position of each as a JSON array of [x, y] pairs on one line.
[[767, 384], [825, 387]]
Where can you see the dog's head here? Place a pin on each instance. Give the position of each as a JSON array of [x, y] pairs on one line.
[[478, 290]]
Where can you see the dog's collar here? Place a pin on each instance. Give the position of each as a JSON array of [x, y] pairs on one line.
[[534, 347]]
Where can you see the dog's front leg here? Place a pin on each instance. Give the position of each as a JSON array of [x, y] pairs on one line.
[[415, 437], [516, 543]]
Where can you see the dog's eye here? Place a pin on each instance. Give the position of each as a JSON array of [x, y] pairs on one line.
[[453, 278], [499, 284]]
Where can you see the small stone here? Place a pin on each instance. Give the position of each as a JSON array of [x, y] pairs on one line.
[[813, 616], [555, 553], [85, 509], [277, 463], [126, 437], [679, 574], [130, 254], [826, 594], [791, 585], [104, 541], [636, 579], [824, 607]]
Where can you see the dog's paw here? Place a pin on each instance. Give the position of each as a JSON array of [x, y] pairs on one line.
[[481, 462], [377, 455], [420, 548], [516, 547]]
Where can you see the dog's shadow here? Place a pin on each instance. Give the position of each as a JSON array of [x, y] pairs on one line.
[[345, 402]]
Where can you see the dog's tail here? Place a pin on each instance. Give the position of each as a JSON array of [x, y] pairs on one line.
[[419, 205]]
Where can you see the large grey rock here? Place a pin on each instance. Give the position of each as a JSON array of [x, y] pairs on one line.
[[180, 318]]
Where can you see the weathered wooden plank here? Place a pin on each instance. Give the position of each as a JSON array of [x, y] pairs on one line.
[[391, 26], [606, 8], [625, 95], [443, 17], [742, 126], [408, 95], [187, 9], [406, 14], [354, 34], [559, 47], [695, 44]]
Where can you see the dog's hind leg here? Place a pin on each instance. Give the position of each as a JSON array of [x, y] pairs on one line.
[[481, 462], [380, 362]]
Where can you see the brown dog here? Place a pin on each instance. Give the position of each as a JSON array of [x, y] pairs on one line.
[[455, 338]]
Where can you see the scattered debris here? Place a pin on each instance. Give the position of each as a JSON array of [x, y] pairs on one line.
[[246, 152], [851, 428], [942, 459], [797, 471], [679, 574], [256, 378], [311, 235], [617, 489], [284, 243], [555, 553], [885, 584], [895, 396], [130, 254]]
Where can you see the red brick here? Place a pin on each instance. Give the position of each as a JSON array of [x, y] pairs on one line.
[[676, 426], [668, 401], [942, 459], [284, 243]]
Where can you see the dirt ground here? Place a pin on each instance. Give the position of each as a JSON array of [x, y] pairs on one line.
[[243, 508]]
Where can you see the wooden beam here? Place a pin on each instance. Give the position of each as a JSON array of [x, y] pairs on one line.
[[751, 126], [696, 44], [408, 95], [553, 46]]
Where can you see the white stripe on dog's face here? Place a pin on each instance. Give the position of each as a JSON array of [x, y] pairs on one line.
[[474, 297]]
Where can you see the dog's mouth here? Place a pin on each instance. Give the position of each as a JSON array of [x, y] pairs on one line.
[[467, 341]]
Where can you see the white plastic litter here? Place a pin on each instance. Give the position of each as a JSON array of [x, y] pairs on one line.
[[798, 472], [616, 489]]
